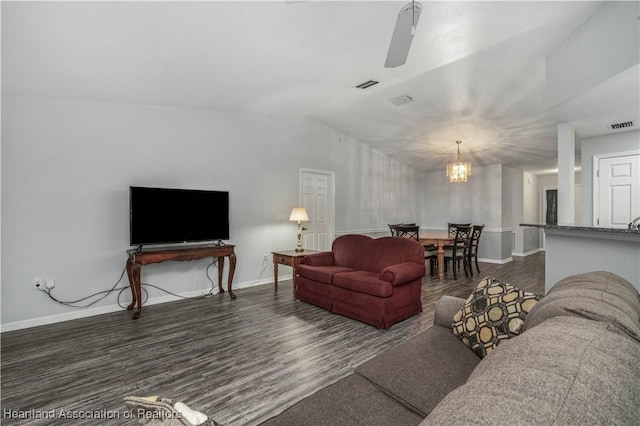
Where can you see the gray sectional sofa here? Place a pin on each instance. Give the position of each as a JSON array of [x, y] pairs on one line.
[[576, 361]]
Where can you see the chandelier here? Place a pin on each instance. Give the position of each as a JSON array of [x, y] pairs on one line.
[[458, 171]]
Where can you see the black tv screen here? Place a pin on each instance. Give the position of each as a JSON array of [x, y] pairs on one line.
[[166, 215]]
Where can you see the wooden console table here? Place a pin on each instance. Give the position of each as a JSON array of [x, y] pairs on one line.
[[290, 258], [136, 258]]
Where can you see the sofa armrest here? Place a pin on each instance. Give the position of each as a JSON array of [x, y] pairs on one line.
[[446, 308], [402, 273], [319, 259]]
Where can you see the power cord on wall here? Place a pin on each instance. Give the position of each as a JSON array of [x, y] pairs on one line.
[[105, 293], [73, 303]]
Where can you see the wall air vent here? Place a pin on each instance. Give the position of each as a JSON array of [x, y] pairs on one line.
[[367, 84], [401, 100], [622, 125]]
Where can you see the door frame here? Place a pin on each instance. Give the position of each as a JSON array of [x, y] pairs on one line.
[[543, 207], [543, 213], [596, 182], [331, 199]]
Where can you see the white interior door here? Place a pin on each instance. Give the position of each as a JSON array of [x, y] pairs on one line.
[[318, 199], [618, 190]]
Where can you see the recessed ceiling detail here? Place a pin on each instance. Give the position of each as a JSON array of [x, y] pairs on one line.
[[401, 100], [622, 125], [367, 84]]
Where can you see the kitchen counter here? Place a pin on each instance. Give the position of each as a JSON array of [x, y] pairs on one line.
[[576, 249], [583, 228]]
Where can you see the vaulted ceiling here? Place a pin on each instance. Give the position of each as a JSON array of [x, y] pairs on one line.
[[475, 71]]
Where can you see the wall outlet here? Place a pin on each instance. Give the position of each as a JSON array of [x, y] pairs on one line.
[[51, 284], [39, 283], [265, 257]]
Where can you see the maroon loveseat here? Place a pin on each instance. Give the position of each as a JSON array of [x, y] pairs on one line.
[[377, 281]]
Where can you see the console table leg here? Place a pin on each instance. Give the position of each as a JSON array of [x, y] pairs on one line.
[[133, 272], [232, 270], [131, 285], [220, 270], [275, 276]]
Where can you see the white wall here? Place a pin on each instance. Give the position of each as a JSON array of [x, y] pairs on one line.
[[479, 201], [67, 166], [526, 210], [587, 58], [530, 198], [512, 206], [599, 145]]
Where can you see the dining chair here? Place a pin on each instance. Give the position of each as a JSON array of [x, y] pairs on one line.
[[413, 231], [458, 251], [395, 228], [408, 230], [451, 229], [472, 248]]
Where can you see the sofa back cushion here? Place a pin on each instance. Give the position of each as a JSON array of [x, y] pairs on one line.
[[600, 296], [374, 254], [348, 250], [565, 371], [379, 253]]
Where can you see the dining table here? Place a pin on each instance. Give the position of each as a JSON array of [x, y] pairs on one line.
[[440, 239]]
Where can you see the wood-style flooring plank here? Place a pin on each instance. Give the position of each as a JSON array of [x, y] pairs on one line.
[[239, 361]]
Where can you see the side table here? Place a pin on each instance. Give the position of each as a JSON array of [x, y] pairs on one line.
[[290, 258]]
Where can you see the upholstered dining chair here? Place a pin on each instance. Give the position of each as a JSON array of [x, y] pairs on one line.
[[412, 231], [458, 251], [472, 248]]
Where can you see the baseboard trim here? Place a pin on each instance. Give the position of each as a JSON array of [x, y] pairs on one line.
[[529, 253], [90, 312], [497, 261]]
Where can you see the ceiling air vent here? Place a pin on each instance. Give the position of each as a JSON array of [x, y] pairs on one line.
[[622, 125], [367, 84], [401, 100]]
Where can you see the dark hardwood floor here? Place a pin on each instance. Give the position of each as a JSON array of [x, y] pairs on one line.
[[238, 361]]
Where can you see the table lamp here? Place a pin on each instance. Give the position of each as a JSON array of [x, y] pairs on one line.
[[299, 214]]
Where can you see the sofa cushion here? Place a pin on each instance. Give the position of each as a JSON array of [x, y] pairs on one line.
[[600, 296], [363, 282], [323, 274], [350, 401], [379, 253], [565, 371], [349, 250], [494, 311], [419, 372], [446, 307], [324, 258], [404, 272]]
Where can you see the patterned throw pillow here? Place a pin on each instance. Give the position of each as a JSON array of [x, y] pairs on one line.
[[493, 312]]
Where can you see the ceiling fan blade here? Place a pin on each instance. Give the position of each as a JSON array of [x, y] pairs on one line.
[[403, 35]]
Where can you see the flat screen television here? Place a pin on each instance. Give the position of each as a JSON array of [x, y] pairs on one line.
[[167, 215]]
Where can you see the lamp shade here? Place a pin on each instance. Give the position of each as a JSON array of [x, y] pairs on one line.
[[299, 214], [458, 171]]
